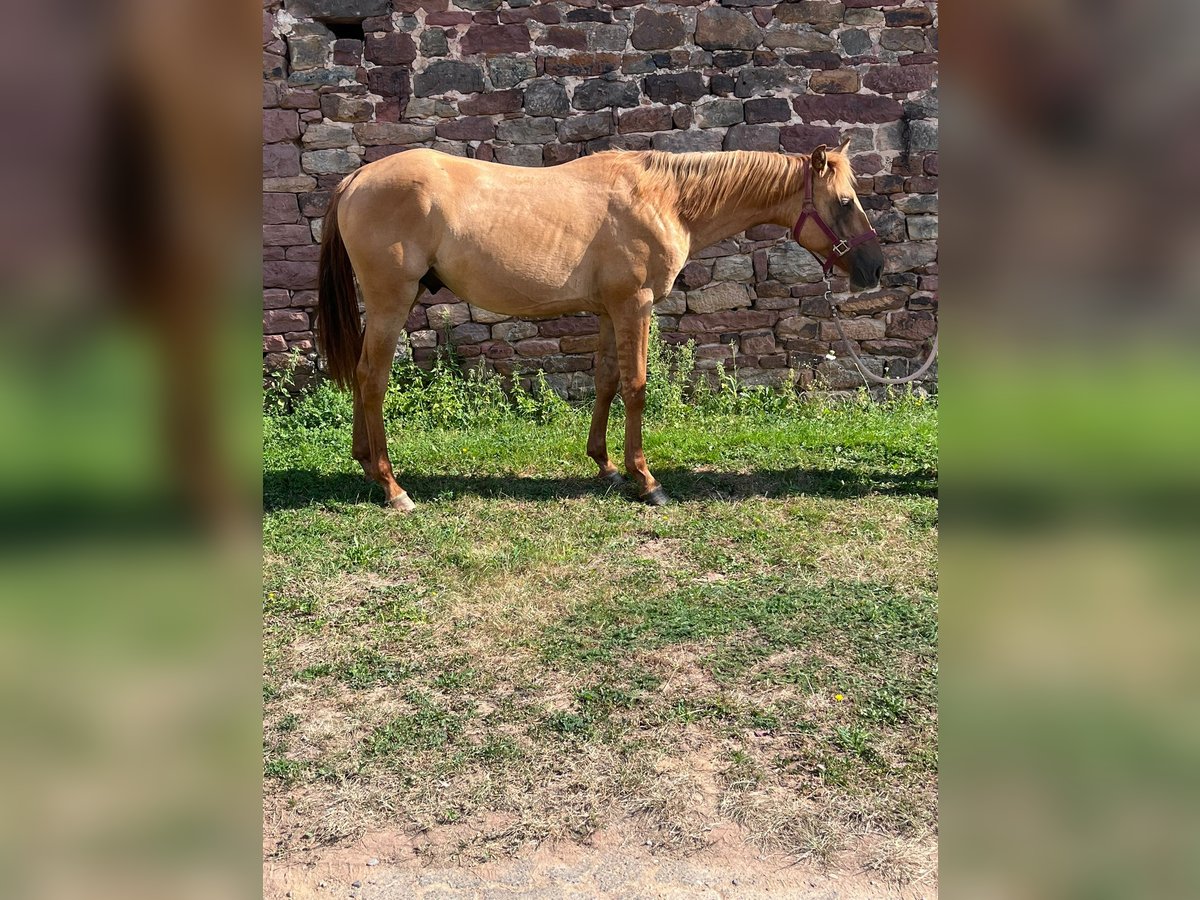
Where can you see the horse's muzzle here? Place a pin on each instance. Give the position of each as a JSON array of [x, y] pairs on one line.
[[866, 267], [859, 282]]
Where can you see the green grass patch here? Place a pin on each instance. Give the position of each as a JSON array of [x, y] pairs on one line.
[[429, 727], [534, 645]]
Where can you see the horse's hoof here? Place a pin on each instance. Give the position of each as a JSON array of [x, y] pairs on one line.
[[656, 497], [402, 503], [612, 479]]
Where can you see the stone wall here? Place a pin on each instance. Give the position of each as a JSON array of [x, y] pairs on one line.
[[532, 83]]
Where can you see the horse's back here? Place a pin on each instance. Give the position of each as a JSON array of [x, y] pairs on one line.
[[410, 172], [424, 168], [471, 197], [521, 241]]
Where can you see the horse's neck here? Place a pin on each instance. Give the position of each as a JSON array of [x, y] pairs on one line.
[[740, 212], [736, 218]]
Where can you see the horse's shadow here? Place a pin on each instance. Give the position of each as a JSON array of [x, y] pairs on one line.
[[299, 488]]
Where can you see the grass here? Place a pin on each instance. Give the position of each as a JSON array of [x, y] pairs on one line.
[[542, 657]]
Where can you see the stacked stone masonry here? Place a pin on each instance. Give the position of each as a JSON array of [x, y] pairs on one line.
[[531, 83]]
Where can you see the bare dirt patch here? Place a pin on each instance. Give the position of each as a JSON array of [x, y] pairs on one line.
[[679, 670], [686, 813], [667, 552], [387, 865]]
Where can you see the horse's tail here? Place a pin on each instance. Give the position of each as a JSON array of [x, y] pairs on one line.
[[339, 327]]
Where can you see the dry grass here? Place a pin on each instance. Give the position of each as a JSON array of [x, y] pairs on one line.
[[911, 860], [497, 672]]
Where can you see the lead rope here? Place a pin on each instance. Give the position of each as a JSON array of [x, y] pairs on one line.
[[866, 373]]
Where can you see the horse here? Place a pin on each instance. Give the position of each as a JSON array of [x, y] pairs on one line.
[[605, 234]]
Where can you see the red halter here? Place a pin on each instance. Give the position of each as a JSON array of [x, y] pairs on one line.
[[841, 246]]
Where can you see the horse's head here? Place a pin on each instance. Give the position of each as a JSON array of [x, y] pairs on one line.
[[835, 199]]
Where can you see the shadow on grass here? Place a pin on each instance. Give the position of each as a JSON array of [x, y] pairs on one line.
[[299, 488]]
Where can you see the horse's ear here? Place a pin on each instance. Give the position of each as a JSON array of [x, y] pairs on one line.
[[844, 145], [820, 159]]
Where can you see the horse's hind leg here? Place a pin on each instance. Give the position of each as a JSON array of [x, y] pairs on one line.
[[362, 444], [608, 377], [387, 312]]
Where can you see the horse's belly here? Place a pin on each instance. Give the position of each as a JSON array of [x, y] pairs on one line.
[[532, 307], [531, 282], [527, 298]]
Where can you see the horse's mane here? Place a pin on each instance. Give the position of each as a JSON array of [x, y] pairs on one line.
[[702, 183]]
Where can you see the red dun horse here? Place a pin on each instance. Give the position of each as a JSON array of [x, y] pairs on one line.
[[605, 234]]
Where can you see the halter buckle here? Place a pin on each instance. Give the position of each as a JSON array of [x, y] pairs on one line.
[[841, 248]]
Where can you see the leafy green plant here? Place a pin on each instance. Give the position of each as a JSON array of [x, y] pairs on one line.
[[856, 741], [452, 394], [285, 770], [449, 395], [670, 375], [280, 388], [569, 724], [541, 403], [444, 396], [428, 727]]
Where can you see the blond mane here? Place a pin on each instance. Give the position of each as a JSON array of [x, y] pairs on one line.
[[703, 183]]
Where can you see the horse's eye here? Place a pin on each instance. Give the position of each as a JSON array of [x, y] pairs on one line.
[[845, 201]]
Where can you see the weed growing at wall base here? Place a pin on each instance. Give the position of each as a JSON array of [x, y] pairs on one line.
[[449, 394]]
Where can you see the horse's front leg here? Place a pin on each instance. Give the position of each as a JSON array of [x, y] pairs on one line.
[[608, 377], [632, 331]]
